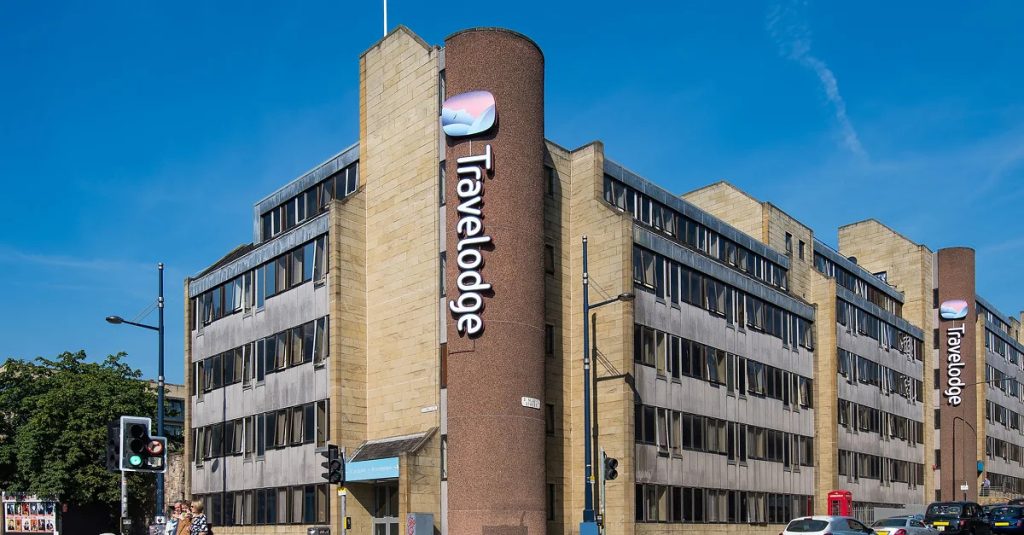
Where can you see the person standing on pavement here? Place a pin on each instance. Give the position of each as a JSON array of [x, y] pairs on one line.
[[184, 526], [199, 524], [173, 513]]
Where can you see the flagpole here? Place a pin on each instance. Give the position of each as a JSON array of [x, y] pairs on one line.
[[385, 18]]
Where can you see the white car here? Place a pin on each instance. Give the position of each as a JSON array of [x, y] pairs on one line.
[[902, 525], [835, 525]]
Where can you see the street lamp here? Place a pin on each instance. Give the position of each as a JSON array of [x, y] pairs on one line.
[[969, 426], [117, 320], [589, 525]]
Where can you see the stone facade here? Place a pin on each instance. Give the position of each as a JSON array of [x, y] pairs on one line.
[[389, 333]]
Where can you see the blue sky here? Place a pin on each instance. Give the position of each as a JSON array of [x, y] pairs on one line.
[[139, 132]]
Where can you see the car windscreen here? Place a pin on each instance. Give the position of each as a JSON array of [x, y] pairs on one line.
[[943, 509], [806, 525], [1008, 512], [890, 523]]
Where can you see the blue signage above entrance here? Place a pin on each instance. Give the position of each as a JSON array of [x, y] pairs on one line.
[[386, 468]]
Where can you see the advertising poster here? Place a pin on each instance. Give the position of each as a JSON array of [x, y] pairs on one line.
[[25, 513]]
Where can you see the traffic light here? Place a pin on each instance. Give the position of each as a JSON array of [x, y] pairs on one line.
[[610, 465], [141, 452], [113, 447], [334, 465]]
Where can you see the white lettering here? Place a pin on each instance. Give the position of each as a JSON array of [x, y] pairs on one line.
[[485, 158], [954, 365], [468, 187], [469, 324], [470, 282], [469, 226], [466, 263]]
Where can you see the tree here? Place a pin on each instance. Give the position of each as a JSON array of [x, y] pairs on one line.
[[53, 427]]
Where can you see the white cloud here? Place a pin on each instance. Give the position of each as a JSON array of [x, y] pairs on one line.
[[787, 27]]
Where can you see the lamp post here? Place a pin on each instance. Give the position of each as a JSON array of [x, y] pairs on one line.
[[589, 525], [117, 320], [969, 426], [973, 430]]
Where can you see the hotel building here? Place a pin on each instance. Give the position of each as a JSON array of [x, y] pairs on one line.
[[417, 300]]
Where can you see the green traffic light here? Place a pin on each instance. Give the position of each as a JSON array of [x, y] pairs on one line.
[[135, 460]]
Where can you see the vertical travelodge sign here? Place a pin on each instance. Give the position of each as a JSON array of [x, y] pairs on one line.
[[493, 123], [469, 114], [957, 362], [949, 312]]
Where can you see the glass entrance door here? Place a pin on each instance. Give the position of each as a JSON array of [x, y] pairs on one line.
[[385, 509]]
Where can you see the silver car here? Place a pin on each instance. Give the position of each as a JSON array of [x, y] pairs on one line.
[[819, 525], [902, 525]]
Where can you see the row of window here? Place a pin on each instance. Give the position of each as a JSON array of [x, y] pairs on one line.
[[676, 356], [302, 504], [251, 289], [857, 285], [862, 465], [677, 283], [856, 368], [1001, 449], [1008, 484], [310, 203], [998, 414], [673, 431], [662, 503], [861, 418], [692, 234], [997, 345], [254, 435], [309, 342], [994, 318], [858, 320]]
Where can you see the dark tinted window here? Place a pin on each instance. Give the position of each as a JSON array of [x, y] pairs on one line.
[[890, 523], [1008, 512], [806, 525], [943, 509]]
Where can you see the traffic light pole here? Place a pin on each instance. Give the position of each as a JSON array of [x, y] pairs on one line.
[[124, 498], [344, 503], [160, 388]]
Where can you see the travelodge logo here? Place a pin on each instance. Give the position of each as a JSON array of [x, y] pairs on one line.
[[953, 310], [468, 113]]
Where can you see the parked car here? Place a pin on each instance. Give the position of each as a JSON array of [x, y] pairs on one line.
[[820, 525], [1007, 519], [902, 525], [966, 518]]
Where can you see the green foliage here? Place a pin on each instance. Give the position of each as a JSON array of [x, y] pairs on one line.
[[53, 426]]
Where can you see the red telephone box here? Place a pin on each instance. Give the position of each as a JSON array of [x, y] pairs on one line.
[[840, 503]]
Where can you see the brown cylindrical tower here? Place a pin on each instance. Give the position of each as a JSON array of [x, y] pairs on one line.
[[496, 481], [958, 378]]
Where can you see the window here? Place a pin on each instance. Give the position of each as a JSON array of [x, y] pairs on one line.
[[321, 340], [549, 259], [549, 340], [322, 423], [443, 267], [549, 418], [789, 243]]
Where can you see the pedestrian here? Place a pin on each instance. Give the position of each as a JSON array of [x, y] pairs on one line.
[[184, 526], [199, 524], [173, 513]]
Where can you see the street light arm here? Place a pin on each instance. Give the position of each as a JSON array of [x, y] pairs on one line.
[[116, 320], [620, 297], [987, 381]]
